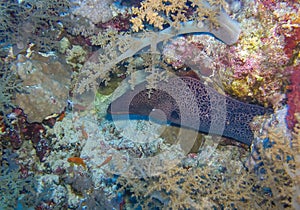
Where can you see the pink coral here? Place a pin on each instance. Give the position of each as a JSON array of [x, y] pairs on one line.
[[249, 66], [293, 97], [197, 52]]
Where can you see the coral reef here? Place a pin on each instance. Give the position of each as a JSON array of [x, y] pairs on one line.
[[123, 46], [197, 52], [67, 141], [73, 58], [254, 67], [118, 23], [272, 183], [277, 166]]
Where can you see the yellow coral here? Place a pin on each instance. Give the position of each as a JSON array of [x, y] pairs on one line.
[[240, 88], [250, 43], [137, 24], [154, 19], [159, 12]]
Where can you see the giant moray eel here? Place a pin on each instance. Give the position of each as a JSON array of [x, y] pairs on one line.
[[187, 102]]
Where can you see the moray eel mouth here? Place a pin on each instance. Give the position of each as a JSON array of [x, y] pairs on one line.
[[189, 104]]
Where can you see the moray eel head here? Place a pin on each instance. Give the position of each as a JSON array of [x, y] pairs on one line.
[[159, 106]]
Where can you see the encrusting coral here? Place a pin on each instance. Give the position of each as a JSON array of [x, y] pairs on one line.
[[293, 97], [47, 80]]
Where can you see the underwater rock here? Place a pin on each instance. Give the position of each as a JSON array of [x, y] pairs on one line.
[[46, 81]]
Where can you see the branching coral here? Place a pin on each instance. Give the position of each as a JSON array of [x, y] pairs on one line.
[[272, 183], [278, 163], [173, 12]]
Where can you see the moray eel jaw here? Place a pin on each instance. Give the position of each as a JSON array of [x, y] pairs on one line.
[[209, 109]]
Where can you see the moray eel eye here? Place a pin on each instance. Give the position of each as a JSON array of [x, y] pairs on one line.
[[175, 115]]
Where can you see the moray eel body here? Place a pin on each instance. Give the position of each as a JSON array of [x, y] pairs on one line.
[[187, 102]]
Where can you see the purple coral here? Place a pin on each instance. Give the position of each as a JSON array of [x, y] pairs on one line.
[[23, 130], [242, 68]]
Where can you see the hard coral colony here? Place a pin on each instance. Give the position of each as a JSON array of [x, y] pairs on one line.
[[150, 104]]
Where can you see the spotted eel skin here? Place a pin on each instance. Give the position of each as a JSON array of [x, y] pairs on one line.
[[187, 102]]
